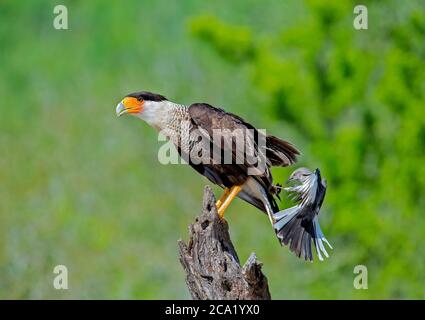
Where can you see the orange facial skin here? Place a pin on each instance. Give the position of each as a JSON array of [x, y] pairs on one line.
[[132, 105]]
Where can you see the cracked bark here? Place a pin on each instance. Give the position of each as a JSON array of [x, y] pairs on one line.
[[212, 266]]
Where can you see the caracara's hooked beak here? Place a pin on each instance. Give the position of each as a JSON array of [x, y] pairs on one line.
[[129, 105]]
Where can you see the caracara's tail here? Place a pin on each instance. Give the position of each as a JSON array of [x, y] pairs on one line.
[[279, 152], [295, 227]]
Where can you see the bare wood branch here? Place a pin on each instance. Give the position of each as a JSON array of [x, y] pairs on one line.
[[211, 263]]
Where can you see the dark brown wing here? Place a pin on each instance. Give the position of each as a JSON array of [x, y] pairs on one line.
[[233, 128], [278, 152]]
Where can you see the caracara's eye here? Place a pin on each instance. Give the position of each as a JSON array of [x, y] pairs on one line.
[[140, 99]]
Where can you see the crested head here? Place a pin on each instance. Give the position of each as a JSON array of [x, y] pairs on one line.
[[147, 96], [150, 107]]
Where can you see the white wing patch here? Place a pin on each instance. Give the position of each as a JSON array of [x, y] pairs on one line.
[[306, 191]]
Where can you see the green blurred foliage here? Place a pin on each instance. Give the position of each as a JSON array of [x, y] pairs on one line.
[[235, 43], [80, 188], [357, 98]]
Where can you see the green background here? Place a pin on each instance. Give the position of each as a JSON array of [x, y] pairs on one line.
[[81, 188]]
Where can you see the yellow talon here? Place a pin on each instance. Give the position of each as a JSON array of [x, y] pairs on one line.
[[229, 198], [222, 198]]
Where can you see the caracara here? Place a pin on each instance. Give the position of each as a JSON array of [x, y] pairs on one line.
[[249, 180]]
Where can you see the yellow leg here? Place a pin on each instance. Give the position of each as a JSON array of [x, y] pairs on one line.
[[222, 198], [232, 194]]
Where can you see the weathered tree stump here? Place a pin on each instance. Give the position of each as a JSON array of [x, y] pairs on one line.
[[212, 265]]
